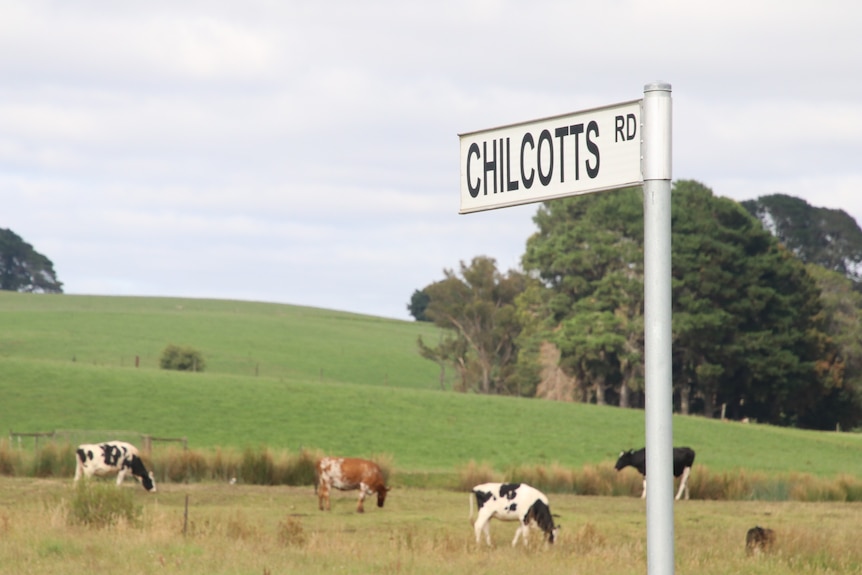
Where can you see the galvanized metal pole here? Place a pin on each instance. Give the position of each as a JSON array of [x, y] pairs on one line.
[[656, 166]]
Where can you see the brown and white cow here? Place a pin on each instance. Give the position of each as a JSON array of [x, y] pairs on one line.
[[347, 474], [109, 458]]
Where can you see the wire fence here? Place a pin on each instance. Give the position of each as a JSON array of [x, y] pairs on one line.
[[144, 441]]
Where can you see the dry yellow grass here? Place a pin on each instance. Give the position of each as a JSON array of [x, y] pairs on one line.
[[258, 530]]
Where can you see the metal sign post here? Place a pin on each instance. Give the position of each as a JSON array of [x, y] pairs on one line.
[[656, 150], [602, 149]]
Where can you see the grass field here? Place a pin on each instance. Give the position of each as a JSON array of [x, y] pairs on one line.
[[287, 378], [236, 338], [274, 530], [376, 395]]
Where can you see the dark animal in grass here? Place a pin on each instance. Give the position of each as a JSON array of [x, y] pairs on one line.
[[759, 540]]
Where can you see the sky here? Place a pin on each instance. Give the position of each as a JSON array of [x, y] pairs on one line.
[[307, 152]]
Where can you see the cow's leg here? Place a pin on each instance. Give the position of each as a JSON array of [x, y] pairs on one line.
[[683, 483], [687, 477], [121, 475], [643, 495], [323, 496], [487, 531], [360, 508], [521, 530], [79, 469], [478, 526], [482, 525]]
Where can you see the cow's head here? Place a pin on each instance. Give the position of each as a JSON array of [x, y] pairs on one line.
[[544, 519], [625, 459], [552, 536], [149, 482], [140, 472], [381, 495]]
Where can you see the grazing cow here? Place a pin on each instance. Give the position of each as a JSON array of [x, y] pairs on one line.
[[512, 502], [109, 458], [759, 539], [346, 474], [683, 459]]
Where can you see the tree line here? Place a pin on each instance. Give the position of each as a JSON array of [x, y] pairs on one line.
[[765, 320]]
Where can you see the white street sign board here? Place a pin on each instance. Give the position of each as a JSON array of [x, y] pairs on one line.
[[566, 155]]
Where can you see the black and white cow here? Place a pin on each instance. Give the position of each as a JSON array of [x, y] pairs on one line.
[[683, 459], [512, 502], [109, 458]]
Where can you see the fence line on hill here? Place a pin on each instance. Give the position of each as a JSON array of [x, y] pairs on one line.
[[77, 436], [14, 435], [147, 442]]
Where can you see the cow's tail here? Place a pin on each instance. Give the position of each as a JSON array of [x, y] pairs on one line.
[[470, 517]]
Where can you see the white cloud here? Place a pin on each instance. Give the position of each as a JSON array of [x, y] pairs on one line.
[[307, 152]]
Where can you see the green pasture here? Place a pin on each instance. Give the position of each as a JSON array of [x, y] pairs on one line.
[[290, 378], [235, 338]]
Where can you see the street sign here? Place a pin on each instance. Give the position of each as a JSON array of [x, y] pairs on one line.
[[565, 155], [602, 149]]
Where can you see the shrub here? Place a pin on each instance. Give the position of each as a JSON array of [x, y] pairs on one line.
[[557, 479], [10, 459], [291, 533], [253, 466], [474, 474], [225, 465], [51, 460], [182, 358], [588, 538], [851, 486], [770, 489], [46, 462], [257, 467], [183, 465], [240, 528], [300, 469], [102, 505], [603, 479]]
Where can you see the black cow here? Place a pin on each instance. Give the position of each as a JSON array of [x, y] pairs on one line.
[[683, 459]]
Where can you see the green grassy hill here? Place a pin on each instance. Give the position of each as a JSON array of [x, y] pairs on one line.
[[236, 338], [291, 377]]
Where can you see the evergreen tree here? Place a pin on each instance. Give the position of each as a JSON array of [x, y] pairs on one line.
[[823, 236], [23, 269], [747, 325], [747, 331], [418, 304]]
